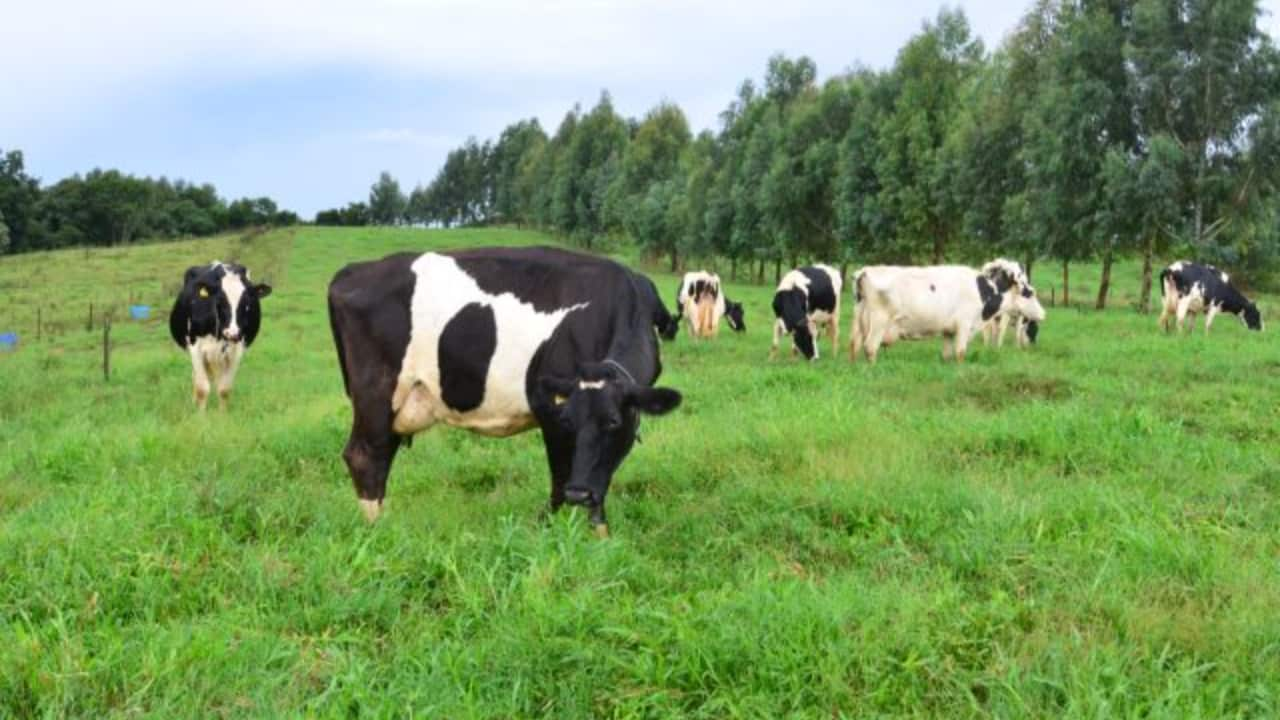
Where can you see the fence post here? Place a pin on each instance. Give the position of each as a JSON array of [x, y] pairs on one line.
[[106, 349]]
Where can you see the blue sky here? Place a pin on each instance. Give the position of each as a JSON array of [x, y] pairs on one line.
[[308, 101]]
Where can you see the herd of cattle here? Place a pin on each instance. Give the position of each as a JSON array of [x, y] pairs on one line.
[[501, 340]]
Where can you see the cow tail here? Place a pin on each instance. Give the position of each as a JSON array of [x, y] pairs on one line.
[[337, 341], [1163, 274], [858, 292]]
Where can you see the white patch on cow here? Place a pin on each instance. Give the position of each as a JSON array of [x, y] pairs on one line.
[[441, 290], [1224, 277], [233, 288], [590, 384], [371, 509]]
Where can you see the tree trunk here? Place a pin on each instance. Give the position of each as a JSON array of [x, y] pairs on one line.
[[1149, 250], [939, 248], [1104, 286], [733, 269], [1026, 265], [777, 271], [675, 259], [1066, 280], [760, 273]]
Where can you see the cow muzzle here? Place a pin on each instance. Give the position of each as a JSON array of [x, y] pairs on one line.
[[231, 335], [580, 496]]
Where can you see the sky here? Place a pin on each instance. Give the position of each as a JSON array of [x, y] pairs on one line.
[[306, 102]]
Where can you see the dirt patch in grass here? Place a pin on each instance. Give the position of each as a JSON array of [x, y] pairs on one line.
[[995, 392]]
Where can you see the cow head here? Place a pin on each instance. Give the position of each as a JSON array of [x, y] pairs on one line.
[[1251, 317], [219, 300], [791, 307], [600, 409], [733, 315], [1024, 302], [1032, 329]]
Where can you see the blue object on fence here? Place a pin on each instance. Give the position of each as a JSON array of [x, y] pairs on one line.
[[139, 312], [8, 341]]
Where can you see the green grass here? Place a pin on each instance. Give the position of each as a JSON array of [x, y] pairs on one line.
[[1090, 528]]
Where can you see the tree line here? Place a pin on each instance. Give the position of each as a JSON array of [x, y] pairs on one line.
[[1097, 129], [108, 207]]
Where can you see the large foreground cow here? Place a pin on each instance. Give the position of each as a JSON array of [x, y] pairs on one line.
[[498, 341], [1190, 288], [701, 299], [953, 301], [806, 301], [1006, 274], [216, 318]]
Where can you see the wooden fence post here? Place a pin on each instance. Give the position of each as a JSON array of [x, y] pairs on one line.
[[106, 349]]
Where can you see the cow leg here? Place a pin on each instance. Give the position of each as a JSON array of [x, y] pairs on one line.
[[369, 452], [778, 331], [855, 334], [947, 348], [874, 338], [1208, 317], [1165, 316], [813, 333], [199, 378], [833, 327], [560, 461], [227, 377], [1002, 329], [1184, 305], [962, 344]]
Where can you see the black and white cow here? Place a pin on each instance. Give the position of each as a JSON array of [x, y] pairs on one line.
[[806, 300], [215, 318], [701, 298], [1006, 274], [1190, 287], [897, 303], [498, 341]]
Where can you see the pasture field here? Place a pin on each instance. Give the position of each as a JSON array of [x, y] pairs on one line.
[[1087, 529]]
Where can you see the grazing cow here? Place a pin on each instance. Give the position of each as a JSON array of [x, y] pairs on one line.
[[1005, 274], [215, 319], [1190, 287], [806, 300], [498, 340], [896, 303], [702, 299]]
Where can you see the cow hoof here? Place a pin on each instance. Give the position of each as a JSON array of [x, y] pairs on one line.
[[371, 509], [602, 531]]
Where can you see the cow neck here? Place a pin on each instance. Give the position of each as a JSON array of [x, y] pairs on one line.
[[615, 363]]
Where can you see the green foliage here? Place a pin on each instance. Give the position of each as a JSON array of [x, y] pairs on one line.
[[1043, 533], [387, 202]]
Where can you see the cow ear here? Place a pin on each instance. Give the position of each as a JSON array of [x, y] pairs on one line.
[[262, 290], [653, 401], [554, 386]]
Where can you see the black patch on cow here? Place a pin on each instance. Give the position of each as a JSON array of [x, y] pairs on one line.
[[790, 306], [733, 311], [466, 348], [822, 294], [526, 273], [933, 289], [1033, 329], [991, 299]]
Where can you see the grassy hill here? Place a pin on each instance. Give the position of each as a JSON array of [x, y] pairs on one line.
[[1090, 528]]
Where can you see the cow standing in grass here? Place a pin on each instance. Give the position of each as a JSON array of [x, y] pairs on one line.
[[215, 319], [806, 302], [1006, 274], [498, 341], [953, 301], [1190, 288], [701, 298]]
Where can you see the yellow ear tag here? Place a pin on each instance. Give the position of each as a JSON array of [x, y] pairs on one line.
[[560, 399], [204, 292]]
